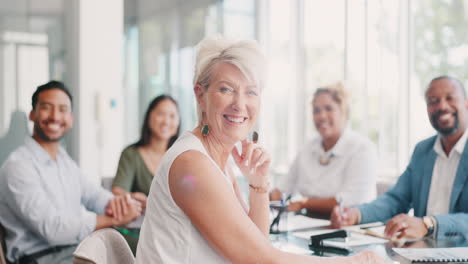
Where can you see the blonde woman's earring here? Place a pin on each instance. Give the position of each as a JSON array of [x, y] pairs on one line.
[[205, 130], [255, 137]]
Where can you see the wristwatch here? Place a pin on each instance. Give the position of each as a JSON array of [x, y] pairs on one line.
[[429, 223]]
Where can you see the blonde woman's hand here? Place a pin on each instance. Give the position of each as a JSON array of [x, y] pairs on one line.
[[254, 162]]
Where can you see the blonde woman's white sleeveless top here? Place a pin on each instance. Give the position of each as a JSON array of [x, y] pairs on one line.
[[167, 234]]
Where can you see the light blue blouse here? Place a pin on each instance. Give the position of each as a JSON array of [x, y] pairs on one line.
[[45, 203]]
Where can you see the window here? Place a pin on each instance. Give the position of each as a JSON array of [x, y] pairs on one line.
[[163, 38], [385, 50]]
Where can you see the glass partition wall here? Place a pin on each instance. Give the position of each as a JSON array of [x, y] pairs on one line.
[[161, 37], [31, 53], [385, 51]]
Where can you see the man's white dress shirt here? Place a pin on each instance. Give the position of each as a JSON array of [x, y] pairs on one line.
[[443, 175]]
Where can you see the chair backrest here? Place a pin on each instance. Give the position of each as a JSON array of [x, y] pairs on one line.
[[104, 246], [2, 246]]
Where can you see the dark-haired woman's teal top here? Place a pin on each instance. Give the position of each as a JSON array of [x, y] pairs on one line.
[[132, 173]]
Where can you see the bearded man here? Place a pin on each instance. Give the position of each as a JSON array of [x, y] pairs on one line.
[[435, 183]]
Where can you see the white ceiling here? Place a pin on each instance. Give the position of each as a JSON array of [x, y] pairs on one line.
[[30, 15], [31, 7]]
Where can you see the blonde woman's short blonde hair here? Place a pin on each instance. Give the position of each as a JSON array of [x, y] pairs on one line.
[[338, 94], [246, 55]]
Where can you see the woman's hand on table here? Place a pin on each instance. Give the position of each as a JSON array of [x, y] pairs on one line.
[[140, 197], [123, 208]]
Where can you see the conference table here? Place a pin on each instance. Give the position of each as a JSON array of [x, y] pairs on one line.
[[291, 242], [288, 239]]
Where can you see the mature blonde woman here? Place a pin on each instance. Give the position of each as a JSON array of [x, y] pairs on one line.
[[337, 165], [195, 213]]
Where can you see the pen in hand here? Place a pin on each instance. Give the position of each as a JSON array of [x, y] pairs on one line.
[[286, 200], [274, 229], [341, 211]]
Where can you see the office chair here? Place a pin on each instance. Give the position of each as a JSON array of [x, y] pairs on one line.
[[104, 246]]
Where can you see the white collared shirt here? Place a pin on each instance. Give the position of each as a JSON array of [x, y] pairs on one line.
[[46, 202], [351, 172], [443, 176]]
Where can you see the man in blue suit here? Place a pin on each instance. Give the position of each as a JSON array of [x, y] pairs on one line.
[[435, 183]]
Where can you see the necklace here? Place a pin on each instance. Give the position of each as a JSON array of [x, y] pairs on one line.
[[325, 158]]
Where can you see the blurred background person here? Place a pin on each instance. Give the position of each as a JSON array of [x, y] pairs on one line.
[[138, 162], [339, 164], [47, 205], [435, 182]]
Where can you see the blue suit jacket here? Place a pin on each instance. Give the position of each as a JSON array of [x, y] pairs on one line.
[[412, 191]]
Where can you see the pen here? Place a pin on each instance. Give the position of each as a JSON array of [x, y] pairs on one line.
[[372, 225], [285, 201], [339, 199], [274, 227]]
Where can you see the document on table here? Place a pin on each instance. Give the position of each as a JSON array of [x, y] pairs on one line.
[[458, 254], [288, 247], [377, 231], [299, 222], [354, 239]]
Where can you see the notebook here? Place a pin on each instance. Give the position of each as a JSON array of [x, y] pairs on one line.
[[301, 222], [417, 255], [377, 229]]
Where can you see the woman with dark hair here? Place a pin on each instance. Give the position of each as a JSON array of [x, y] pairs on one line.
[[139, 161]]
